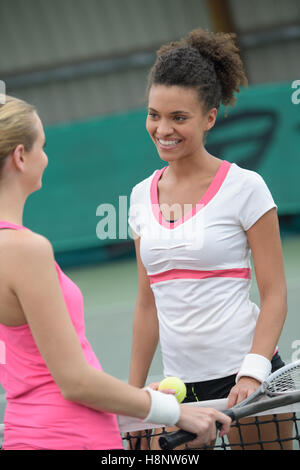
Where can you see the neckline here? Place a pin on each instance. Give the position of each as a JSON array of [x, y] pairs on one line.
[[6, 224], [209, 194]]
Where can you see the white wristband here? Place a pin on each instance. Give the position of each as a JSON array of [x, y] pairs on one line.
[[164, 408], [256, 366]]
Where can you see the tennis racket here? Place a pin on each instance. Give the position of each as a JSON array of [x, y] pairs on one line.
[[281, 388]]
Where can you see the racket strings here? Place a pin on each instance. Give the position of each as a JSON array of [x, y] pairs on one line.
[[288, 381]]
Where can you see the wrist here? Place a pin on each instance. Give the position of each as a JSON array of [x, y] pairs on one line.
[[164, 408], [255, 366]]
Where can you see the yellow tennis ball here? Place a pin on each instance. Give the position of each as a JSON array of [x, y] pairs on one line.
[[174, 383]]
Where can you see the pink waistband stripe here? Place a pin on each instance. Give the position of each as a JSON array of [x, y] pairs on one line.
[[242, 273]]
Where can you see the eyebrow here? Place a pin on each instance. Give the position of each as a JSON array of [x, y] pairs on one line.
[[173, 112]]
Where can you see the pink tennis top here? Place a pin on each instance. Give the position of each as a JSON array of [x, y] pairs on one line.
[[37, 416]]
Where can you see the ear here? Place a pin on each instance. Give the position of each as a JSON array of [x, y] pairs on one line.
[[211, 119], [18, 157]]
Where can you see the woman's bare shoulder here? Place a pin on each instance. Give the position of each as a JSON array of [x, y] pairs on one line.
[[17, 246]]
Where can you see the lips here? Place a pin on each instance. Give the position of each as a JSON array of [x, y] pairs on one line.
[[168, 144]]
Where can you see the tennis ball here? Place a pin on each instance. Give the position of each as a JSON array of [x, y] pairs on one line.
[[174, 383]]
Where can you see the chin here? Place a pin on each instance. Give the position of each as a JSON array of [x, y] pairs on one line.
[[37, 187], [169, 157]]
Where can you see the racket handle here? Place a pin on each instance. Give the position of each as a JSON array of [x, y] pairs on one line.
[[177, 438]]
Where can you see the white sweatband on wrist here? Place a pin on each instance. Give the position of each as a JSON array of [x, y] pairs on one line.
[[256, 366], [164, 408]]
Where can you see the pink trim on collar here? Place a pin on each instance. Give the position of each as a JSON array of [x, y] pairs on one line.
[[211, 191]]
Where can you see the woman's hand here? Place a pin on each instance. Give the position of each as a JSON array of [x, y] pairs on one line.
[[245, 387], [202, 421], [155, 386]]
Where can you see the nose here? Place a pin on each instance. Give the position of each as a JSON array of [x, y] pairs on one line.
[[46, 160], [164, 128]]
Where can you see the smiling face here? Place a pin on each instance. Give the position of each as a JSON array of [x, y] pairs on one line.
[[176, 121]]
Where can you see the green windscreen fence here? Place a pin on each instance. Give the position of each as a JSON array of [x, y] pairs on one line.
[[94, 164]]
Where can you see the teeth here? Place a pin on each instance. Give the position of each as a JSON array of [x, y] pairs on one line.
[[168, 142]]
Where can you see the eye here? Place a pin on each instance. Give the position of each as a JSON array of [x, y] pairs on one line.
[[152, 115], [180, 118]]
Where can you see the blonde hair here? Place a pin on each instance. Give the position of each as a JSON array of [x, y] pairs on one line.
[[16, 126]]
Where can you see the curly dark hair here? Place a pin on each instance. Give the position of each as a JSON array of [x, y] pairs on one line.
[[209, 62]]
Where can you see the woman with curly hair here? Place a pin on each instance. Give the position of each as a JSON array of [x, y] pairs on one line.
[[195, 223]]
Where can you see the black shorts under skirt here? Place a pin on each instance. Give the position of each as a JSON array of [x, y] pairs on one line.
[[219, 388]]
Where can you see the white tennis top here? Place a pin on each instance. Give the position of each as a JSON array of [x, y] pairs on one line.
[[200, 272]]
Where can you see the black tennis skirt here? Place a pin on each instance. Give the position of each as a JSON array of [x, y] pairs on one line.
[[219, 388]]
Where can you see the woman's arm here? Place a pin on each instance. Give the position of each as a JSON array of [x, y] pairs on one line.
[[33, 278], [265, 244], [145, 327]]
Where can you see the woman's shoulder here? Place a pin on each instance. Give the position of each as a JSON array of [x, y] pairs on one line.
[[16, 244], [23, 253], [244, 176]]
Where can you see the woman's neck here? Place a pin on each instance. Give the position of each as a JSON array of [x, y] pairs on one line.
[[189, 167], [12, 203]]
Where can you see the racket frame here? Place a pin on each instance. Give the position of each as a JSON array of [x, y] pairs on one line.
[[259, 401]]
